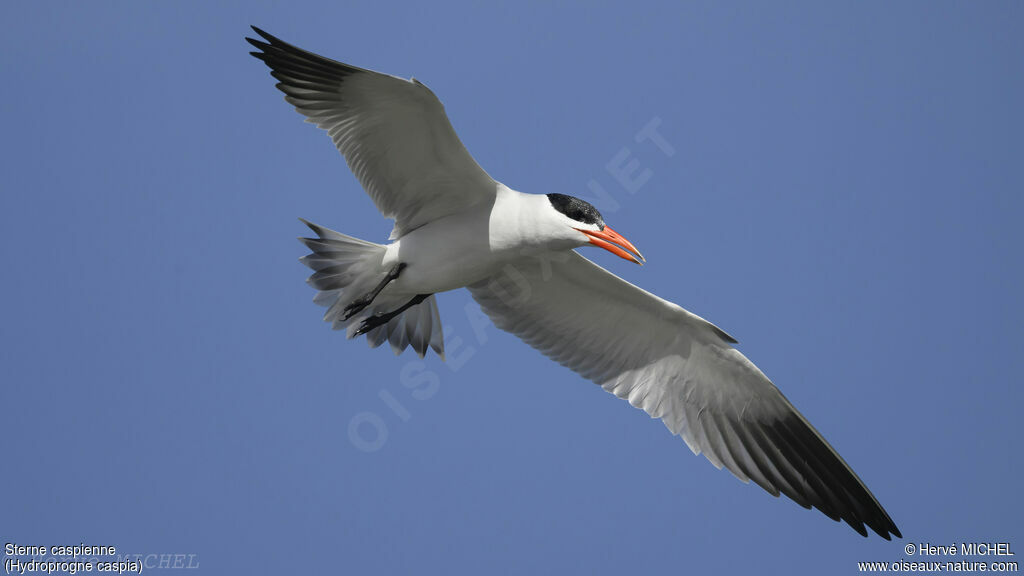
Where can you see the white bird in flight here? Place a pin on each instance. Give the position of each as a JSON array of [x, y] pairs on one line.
[[456, 227]]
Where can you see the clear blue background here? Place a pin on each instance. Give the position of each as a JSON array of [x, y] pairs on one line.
[[845, 198]]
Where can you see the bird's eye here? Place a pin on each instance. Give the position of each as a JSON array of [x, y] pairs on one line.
[[578, 210]]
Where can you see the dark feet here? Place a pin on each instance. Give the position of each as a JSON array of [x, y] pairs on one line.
[[372, 322], [381, 319], [365, 300], [355, 307]]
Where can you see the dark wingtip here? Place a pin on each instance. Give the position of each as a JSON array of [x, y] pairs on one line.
[[262, 33], [257, 43], [268, 40], [858, 527], [886, 526], [724, 335], [261, 46]]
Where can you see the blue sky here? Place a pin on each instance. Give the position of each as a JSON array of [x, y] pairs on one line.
[[844, 196]]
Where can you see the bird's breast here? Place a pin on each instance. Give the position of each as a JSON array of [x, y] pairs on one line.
[[446, 254], [464, 248]]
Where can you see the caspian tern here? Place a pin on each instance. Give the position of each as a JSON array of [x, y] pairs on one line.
[[456, 227]]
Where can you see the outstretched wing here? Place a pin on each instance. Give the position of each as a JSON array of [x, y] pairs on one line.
[[393, 133], [678, 367]]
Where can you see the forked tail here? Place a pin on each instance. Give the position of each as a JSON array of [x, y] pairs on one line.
[[346, 268]]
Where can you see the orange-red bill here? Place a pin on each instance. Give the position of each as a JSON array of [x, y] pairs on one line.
[[613, 242]]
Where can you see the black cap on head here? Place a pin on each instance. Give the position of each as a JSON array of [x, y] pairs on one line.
[[576, 209]]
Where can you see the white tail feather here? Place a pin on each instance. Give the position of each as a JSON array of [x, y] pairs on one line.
[[346, 268]]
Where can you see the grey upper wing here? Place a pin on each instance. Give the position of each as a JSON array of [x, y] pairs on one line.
[[393, 132], [682, 369]]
